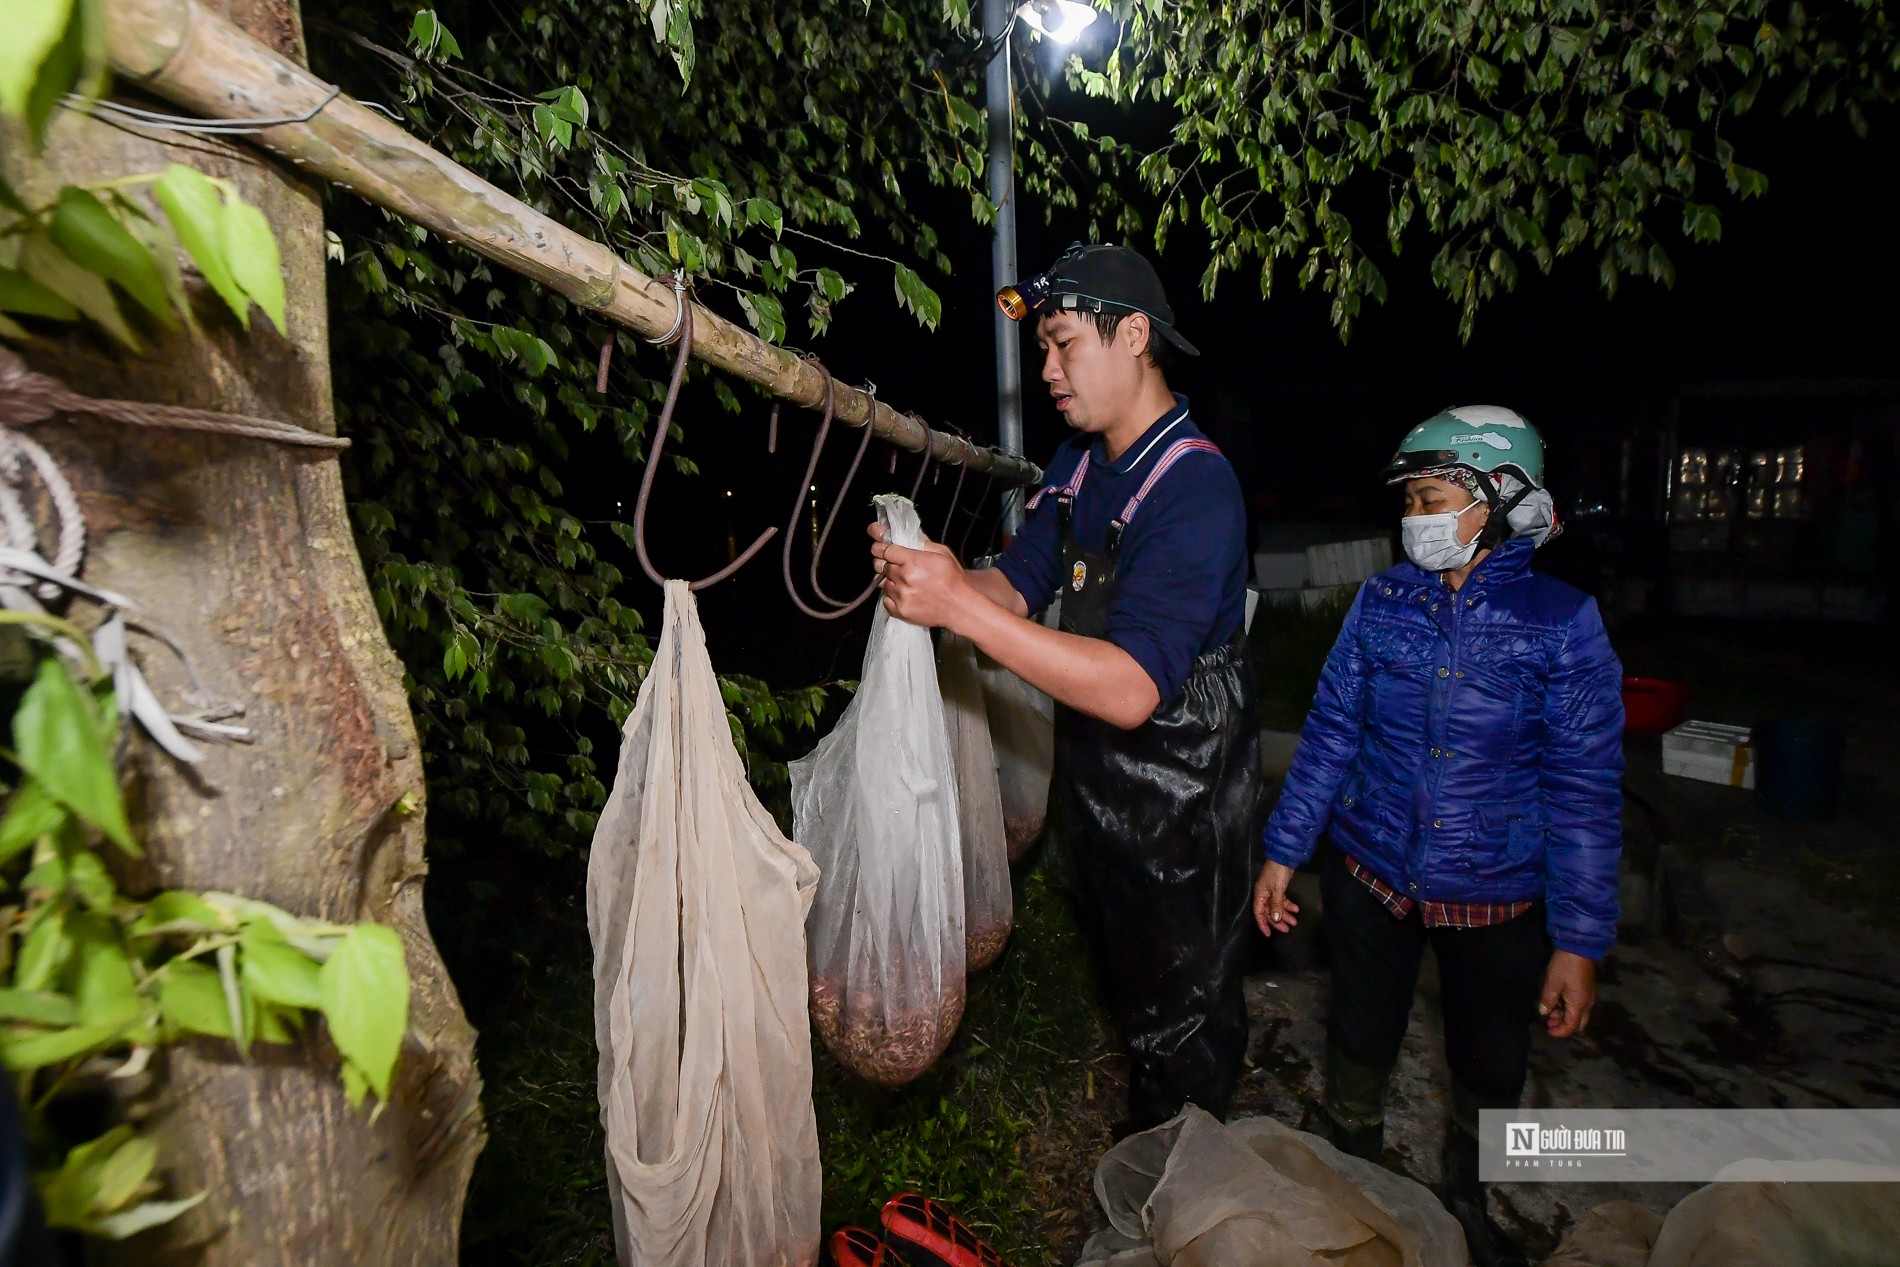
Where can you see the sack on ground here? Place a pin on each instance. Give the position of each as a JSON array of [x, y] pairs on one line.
[[876, 803], [1023, 734], [1742, 1222], [696, 905], [1195, 1193], [987, 903]]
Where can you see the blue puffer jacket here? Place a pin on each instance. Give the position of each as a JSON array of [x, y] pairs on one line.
[[1468, 747]]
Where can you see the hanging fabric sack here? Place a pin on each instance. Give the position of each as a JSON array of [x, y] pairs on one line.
[[1023, 733], [986, 896], [696, 904], [876, 803]]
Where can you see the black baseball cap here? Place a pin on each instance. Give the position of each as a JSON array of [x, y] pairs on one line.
[[1102, 278]]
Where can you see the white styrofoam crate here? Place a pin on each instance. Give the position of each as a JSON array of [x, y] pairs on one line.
[[1310, 597], [1711, 752], [1348, 562], [1280, 570]]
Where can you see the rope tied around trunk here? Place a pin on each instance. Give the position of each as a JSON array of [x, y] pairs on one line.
[[28, 577], [28, 397]]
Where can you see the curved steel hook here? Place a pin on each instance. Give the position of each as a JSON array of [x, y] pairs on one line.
[[837, 503], [798, 504], [963, 543], [956, 495], [685, 328]]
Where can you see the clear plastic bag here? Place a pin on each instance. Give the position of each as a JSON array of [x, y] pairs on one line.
[[987, 903], [1023, 735], [696, 904], [876, 803]]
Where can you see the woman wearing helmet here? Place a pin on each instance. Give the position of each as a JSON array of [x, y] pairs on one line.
[[1464, 754]]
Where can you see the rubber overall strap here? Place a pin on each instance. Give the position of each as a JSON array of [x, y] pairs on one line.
[[1067, 491], [1174, 453]]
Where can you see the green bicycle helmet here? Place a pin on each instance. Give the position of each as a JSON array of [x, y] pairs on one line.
[[1483, 439], [1489, 441]]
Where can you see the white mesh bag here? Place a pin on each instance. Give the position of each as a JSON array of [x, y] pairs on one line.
[[1023, 735], [696, 904], [876, 803], [987, 908]]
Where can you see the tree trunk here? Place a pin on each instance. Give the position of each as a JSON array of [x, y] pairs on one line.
[[242, 550]]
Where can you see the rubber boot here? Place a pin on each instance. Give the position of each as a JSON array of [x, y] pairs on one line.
[[1364, 1142], [1464, 1197], [1355, 1106]]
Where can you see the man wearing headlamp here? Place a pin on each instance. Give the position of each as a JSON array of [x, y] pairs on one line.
[[1142, 531]]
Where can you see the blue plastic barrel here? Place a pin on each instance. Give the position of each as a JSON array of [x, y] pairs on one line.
[[1798, 768]]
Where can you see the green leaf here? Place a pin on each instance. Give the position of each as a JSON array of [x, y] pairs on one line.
[[196, 212], [274, 969], [250, 251], [57, 733], [355, 1083], [832, 284], [123, 1172], [175, 911], [918, 297], [11, 329], [162, 245], [43, 261], [425, 31], [35, 1049], [20, 293], [144, 1215], [42, 1007], [95, 239], [760, 211], [103, 986], [68, 1194], [529, 609], [191, 997], [365, 992], [43, 954], [87, 877], [31, 815], [33, 27], [63, 70]]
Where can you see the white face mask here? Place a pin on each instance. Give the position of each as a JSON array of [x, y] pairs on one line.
[[1431, 541]]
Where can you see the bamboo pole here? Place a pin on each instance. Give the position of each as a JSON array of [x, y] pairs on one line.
[[179, 50]]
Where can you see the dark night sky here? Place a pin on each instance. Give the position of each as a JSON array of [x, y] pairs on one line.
[[1799, 287]]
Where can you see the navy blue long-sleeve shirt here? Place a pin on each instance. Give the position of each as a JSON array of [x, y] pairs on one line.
[[1181, 581]]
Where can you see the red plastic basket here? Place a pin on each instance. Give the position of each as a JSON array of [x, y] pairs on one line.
[[1652, 705]]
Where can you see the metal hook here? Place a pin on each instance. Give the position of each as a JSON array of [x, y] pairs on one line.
[[956, 495], [679, 310], [963, 543], [658, 450], [798, 504], [837, 503]]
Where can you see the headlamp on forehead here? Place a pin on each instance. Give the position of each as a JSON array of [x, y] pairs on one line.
[[1025, 296], [1031, 293]]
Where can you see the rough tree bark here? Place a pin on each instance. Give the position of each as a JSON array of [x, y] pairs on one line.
[[242, 549]]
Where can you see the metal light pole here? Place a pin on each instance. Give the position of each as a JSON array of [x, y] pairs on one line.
[[999, 96]]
